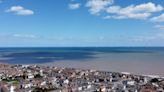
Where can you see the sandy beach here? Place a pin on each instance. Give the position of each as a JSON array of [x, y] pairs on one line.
[[106, 64]]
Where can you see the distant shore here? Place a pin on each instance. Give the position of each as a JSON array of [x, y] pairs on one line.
[[131, 67]]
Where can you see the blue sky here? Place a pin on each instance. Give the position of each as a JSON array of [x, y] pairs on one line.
[[57, 23]]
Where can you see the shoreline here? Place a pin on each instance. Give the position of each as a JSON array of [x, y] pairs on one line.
[[65, 64], [106, 66], [136, 68], [116, 63], [120, 64], [83, 69]]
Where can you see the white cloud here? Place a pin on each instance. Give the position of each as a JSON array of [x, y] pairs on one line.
[[161, 36], [74, 6], [101, 38], [158, 36], [161, 27], [73, 0], [142, 11], [145, 38], [158, 18], [24, 36], [107, 17], [19, 10], [96, 6]]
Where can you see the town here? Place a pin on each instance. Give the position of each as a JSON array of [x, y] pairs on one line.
[[37, 78]]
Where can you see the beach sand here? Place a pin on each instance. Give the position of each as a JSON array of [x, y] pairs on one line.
[[134, 66]]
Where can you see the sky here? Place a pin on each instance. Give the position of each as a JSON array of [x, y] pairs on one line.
[[81, 23]]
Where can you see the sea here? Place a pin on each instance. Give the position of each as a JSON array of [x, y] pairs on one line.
[[32, 55]]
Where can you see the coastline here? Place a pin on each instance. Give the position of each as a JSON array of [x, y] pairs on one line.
[[134, 68], [104, 63], [130, 67]]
